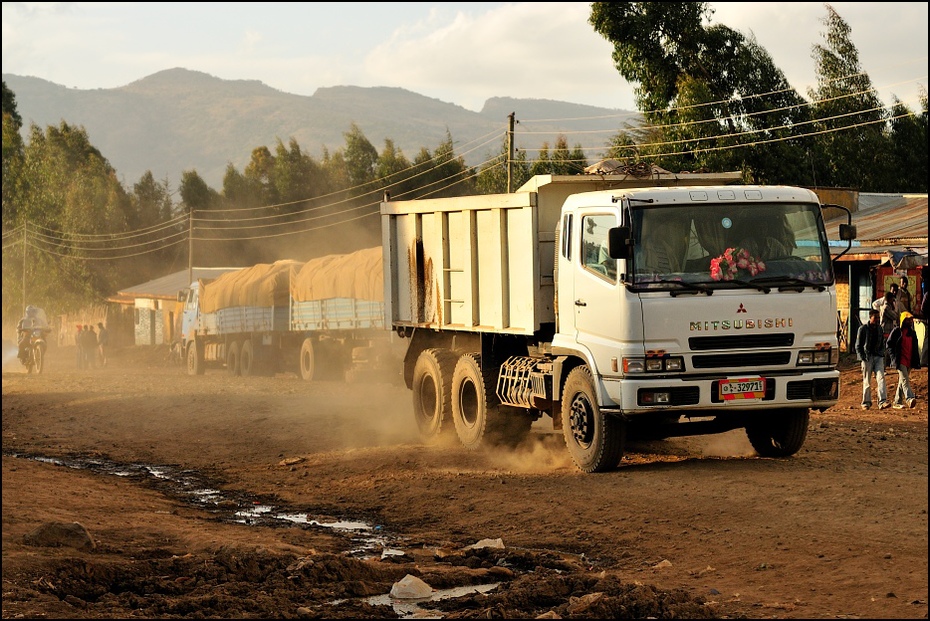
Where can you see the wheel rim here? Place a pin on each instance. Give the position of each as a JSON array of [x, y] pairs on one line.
[[468, 403], [582, 421], [429, 399]]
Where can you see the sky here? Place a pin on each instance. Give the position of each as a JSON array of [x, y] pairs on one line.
[[458, 52]]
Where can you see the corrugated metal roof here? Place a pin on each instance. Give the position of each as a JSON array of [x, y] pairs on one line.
[[167, 287], [884, 223]]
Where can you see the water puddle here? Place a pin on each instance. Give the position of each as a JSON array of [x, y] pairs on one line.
[[193, 488], [189, 486]]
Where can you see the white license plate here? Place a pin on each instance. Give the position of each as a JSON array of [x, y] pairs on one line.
[[743, 388]]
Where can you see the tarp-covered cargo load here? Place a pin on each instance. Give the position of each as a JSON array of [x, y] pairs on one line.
[[357, 275], [262, 285]]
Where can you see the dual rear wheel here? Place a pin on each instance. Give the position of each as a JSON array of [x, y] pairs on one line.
[[451, 391]]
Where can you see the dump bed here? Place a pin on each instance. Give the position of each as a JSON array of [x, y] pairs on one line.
[[485, 263]]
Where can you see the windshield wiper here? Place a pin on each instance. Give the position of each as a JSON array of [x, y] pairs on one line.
[[688, 287], [790, 282], [749, 284]]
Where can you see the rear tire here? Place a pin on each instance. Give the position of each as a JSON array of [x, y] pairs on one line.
[[247, 359], [473, 406], [780, 433], [432, 391], [594, 439], [233, 359], [307, 360]]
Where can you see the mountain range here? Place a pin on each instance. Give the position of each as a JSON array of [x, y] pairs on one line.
[[178, 120]]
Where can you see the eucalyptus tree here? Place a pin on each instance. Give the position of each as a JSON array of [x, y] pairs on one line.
[[853, 148], [908, 135]]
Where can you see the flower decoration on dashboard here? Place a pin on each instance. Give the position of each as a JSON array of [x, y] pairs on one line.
[[728, 265]]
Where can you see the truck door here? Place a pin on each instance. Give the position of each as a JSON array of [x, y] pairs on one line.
[[189, 314], [596, 300]]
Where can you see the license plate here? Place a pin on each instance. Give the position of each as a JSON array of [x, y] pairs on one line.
[[743, 388]]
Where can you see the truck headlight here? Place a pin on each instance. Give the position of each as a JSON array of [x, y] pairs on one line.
[[654, 365], [820, 356]]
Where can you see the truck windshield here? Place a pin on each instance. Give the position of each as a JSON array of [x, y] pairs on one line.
[[730, 245]]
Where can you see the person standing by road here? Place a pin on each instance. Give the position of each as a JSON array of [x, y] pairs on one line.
[[905, 300], [79, 346], [103, 342], [870, 347], [90, 347], [905, 354]]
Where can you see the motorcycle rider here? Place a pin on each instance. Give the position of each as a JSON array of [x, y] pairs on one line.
[[34, 319]]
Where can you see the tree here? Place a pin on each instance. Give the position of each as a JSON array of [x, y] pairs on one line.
[[195, 193], [909, 146], [361, 159], [72, 205], [713, 98], [9, 106], [852, 149], [395, 172]]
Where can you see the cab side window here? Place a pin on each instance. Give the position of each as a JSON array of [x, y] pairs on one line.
[[594, 255]]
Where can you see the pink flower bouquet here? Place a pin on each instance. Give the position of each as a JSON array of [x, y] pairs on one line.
[[728, 265]]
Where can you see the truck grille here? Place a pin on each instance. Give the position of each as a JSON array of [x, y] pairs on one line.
[[753, 359], [740, 341]]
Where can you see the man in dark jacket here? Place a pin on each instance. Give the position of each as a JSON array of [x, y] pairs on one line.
[[905, 354], [870, 347]]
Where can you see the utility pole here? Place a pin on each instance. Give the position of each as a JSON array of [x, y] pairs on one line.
[[190, 246], [25, 224], [510, 117]]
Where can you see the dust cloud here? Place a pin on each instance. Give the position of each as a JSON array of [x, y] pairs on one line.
[[543, 451], [730, 444]]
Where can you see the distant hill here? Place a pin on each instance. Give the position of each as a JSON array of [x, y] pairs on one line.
[[178, 120]]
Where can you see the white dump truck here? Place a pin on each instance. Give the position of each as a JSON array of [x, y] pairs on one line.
[[321, 319], [679, 304]]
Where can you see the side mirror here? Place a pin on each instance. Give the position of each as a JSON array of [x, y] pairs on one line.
[[848, 232], [619, 243], [182, 295]]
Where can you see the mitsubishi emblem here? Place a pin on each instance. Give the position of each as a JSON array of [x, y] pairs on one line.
[[741, 309]]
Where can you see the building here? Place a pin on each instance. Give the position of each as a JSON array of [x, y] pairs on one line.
[[891, 242], [155, 306]]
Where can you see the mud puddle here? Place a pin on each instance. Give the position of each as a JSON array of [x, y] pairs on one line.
[[193, 488]]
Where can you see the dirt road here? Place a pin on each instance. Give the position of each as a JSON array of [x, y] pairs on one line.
[[221, 497]]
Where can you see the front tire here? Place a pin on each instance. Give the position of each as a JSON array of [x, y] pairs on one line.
[[594, 439], [39, 353], [195, 362], [780, 433], [432, 391]]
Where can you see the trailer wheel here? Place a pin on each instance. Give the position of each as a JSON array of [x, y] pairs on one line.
[[780, 433], [307, 360], [247, 359], [594, 439], [195, 362], [233, 359], [432, 391]]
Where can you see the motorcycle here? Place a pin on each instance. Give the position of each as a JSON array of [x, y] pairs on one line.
[[33, 350]]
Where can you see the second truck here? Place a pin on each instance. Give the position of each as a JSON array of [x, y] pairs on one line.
[[668, 306]]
